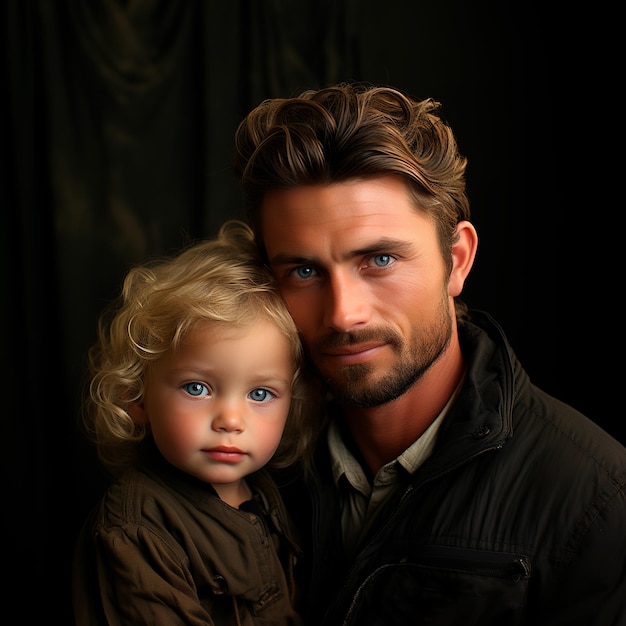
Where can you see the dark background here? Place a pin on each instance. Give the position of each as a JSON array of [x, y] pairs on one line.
[[116, 146]]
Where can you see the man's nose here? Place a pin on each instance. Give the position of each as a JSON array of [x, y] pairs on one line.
[[347, 303]]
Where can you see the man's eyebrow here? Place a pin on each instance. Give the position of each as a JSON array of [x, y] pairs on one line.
[[283, 258], [380, 246], [386, 244]]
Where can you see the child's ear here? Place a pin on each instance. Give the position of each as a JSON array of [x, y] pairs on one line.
[[137, 410]]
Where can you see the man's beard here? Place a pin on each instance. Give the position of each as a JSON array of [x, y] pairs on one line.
[[353, 385]]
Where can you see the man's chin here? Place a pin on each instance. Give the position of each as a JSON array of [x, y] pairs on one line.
[[353, 379], [350, 393]]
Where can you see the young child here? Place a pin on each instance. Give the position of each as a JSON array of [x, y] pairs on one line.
[[195, 385]]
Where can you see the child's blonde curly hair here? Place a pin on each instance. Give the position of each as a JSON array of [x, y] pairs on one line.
[[221, 281]]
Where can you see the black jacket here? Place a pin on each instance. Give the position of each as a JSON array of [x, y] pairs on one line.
[[518, 517]]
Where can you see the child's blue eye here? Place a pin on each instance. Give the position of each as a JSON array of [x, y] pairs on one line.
[[261, 395], [196, 389]]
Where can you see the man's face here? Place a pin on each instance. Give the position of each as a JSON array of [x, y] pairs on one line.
[[363, 277]]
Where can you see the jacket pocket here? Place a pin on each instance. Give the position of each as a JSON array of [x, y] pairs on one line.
[[443, 586]]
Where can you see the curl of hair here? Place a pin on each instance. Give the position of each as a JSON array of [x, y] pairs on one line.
[[219, 281]]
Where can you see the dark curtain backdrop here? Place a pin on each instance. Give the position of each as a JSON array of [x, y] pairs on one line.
[[116, 146]]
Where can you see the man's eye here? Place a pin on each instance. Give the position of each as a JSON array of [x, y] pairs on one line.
[[305, 271], [261, 395], [196, 389], [382, 260]]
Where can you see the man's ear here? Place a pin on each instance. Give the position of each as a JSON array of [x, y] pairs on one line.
[[137, 410], [463, 255]]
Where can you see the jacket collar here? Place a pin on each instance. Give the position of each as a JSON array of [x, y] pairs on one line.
[[481, 418]]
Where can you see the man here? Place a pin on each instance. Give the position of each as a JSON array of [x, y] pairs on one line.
[[446, 489]]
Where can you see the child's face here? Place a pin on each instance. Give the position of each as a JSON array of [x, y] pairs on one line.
[[217, 406]]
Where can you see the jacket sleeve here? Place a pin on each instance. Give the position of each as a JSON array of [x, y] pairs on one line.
[[130, 575], [592, 585]]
